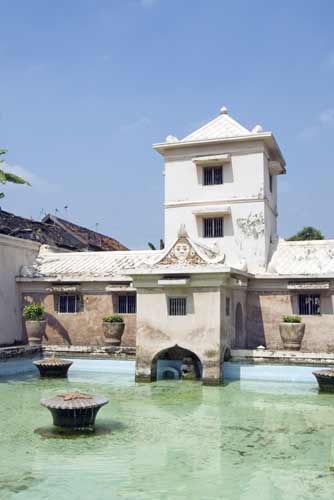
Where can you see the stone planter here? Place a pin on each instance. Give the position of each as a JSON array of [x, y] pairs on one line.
[[35, 331], [112, 333], [292, 335]]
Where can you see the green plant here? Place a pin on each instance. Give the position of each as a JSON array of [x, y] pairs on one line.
[[292, 319], [33, 312], [113, 318], [8, 177], [307, 233]]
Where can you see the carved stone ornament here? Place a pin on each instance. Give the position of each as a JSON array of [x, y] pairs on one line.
[[182, 253]]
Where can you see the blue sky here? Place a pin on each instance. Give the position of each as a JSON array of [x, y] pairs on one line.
[[87, 86]]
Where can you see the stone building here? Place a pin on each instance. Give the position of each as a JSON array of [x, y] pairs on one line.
[[225, 278]]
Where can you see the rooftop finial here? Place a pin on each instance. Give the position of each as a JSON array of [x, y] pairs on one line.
[[224, 110]]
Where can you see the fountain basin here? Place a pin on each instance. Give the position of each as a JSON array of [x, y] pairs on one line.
[[75, 410], [53, 367], [325, 379]]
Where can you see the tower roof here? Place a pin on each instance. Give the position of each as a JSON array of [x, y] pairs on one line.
[[221, 127]]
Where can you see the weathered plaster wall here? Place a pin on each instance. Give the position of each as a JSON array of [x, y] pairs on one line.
[[82, 328], [264, 313], [14, 253], [199, 331]]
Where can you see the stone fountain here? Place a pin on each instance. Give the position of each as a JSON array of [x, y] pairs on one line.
[[325, 379], [53, 366], [75, 410]]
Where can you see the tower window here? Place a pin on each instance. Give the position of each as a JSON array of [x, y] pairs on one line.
[[212, 175], [270, 183], [309, 305], [213, 227]]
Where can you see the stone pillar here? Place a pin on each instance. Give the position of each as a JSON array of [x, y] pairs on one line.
[[143, 366], [212, 369]]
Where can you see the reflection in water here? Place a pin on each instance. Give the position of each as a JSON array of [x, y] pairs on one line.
[[169, 440]]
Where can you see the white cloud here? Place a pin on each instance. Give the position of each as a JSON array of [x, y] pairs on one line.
[[37, 183], [324, 121], [148, 3], [144, 121]]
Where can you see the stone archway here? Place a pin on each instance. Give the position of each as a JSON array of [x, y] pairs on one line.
[[239, 327], [177, 360]]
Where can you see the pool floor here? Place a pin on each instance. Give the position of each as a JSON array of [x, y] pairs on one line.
[[170, 440]]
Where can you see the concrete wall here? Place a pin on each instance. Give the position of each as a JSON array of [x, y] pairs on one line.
[[84, 327], [14, 253], [264, 313]]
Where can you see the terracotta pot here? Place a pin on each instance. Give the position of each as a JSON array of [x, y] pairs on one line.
[[112, 333], [292, 335], [35, 331]]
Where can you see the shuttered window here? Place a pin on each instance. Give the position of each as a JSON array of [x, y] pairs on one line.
[[212, 175], [177, 306], [127, 304], [309, 305], [213, 227]]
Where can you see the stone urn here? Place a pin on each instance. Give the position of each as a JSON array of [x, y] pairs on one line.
[[113, 329], [292, 335], [325, 379], [75, 410], [53, 366], [35, 331]]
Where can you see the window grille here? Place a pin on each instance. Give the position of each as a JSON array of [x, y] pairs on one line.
[[309, 304], [213, 227], [127, 304], [212, 175], [177, 306], [227, 306], [68, 304]]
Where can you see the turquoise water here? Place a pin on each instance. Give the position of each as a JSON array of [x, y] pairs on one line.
[[168, 440]]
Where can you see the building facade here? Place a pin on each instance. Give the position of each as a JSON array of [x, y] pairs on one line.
[[225, 279]]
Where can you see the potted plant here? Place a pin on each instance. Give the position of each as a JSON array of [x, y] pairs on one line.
[[113, 329], [35, 323], [292, 332]]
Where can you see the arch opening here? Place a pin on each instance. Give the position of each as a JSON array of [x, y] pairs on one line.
[[176, 363]]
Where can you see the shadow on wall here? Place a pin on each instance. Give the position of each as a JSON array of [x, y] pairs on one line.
[[254, 324], [58, 327]]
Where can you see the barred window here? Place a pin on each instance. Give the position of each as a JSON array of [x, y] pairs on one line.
[[213, 227], [127, 304], [212, 175], [309, 305], [68, 304], [177, 306]]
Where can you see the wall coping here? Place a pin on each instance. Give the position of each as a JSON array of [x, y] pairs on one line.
[[12, 241]]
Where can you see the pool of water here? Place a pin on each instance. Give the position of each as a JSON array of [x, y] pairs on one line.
[[168, 440]]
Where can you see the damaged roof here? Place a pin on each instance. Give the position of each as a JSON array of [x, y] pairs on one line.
[[56, 232]]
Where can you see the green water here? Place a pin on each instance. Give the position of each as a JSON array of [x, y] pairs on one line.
[[169, 440]]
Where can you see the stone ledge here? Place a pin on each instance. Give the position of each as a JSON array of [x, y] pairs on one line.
[[284, 357], [22, 351], [95, 352]]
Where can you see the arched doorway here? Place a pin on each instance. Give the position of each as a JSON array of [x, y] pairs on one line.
[[239, 327], [176, 363]]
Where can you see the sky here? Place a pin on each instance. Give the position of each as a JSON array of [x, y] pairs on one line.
[[87, 86]]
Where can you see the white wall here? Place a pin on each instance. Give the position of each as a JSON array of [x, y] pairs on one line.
[[14, 253], [245, 191]]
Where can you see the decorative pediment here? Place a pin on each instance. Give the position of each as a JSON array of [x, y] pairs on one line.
[[186, 252]]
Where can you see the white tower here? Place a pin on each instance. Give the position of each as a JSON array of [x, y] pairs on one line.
[[221, 182]]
